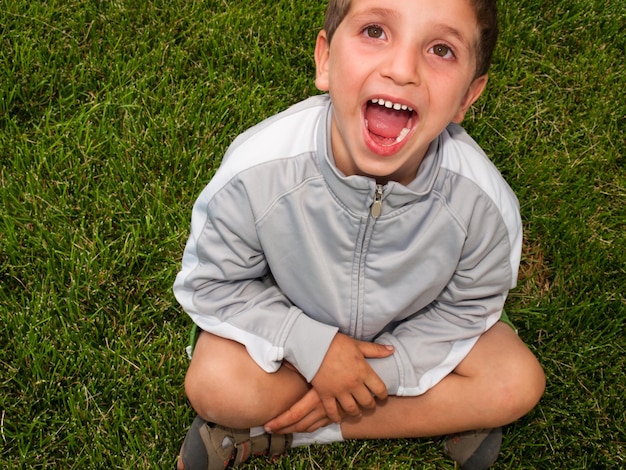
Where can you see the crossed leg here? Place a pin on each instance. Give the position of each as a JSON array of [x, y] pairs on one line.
[[498, 382]]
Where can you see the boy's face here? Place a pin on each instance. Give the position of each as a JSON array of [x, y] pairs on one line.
[[417, 56]]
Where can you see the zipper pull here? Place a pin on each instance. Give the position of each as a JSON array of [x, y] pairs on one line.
[[377, 206]]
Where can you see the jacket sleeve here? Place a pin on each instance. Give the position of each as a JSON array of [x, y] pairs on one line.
[[226, 288], [431, 343]]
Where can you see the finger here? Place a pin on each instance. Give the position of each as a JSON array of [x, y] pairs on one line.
[[364, 398], [332, 410], [375, 350], [309, 423], [377, 387], [282, 421], [318, 424], [308, 403], [349, 406]]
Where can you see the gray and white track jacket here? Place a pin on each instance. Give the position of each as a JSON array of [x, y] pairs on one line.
[[285, 251]]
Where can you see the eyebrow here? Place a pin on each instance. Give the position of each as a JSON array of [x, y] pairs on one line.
[[449, 30], [381, 12]]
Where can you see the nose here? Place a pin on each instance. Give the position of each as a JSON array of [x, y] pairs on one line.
[[402, 65]]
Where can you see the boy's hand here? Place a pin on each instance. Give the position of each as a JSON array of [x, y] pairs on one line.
[[306, 415], [346, 380]]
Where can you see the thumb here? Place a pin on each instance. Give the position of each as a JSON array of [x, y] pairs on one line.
[[374, 350]]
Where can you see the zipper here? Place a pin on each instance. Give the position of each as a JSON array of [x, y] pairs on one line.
[[377, 206], [375, 211]]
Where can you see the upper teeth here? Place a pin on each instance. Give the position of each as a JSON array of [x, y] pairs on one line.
[[391, 104]]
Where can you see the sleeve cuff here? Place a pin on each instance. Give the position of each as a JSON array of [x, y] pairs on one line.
[[387, 369], [306, 345]]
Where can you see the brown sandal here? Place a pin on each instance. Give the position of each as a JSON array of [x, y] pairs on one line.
[[209, 446], [474, 450]]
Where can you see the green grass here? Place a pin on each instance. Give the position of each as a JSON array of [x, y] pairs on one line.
[[115, 114]]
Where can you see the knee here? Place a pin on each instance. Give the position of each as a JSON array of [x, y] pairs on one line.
[[220, 382], [220, 394], [520, 388], [203, 393]]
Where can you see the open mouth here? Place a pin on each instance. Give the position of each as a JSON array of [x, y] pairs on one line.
[[388, 123]]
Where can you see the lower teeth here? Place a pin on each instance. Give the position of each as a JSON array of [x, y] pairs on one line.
[[402, 135]]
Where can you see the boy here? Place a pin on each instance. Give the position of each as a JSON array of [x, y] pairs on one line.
[[349, 262]]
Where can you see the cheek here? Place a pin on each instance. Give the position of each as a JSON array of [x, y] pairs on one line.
[[345, 70]]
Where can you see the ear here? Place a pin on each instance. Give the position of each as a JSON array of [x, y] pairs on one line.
[[473, 93], [322, 55]]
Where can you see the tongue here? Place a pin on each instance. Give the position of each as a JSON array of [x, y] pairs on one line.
[[386, 122]]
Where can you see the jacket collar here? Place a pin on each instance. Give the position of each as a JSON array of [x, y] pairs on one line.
[[357, 192]]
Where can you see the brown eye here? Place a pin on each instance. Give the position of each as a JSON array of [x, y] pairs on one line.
[[375, 32], [442, 50]]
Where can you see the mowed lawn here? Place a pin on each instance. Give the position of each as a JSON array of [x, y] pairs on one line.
[[114, 114]]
